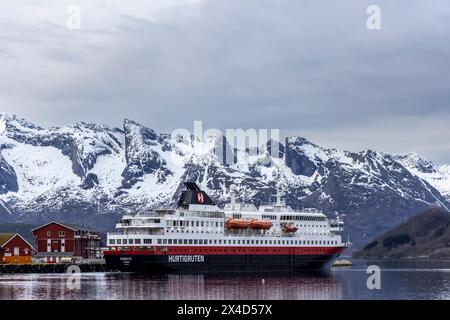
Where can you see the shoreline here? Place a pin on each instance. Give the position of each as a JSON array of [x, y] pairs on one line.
[[50, 268]]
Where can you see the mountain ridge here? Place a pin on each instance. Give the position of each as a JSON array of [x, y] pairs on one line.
[[96, 173]]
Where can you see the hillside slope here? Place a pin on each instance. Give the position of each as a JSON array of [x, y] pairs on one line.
[[426, 235]]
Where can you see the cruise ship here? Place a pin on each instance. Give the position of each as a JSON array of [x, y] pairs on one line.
[[198, 236]]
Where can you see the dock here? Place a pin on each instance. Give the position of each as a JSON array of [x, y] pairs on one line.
[[50, 268], [342, 263]]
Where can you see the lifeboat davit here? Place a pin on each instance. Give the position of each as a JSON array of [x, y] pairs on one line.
[[261, 224], [290, 228], [237, 223]]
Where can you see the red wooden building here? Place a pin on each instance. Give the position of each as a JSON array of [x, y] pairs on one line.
[[14, 249], [56, 240]]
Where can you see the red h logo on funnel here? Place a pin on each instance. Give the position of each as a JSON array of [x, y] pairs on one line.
[[200, 197]]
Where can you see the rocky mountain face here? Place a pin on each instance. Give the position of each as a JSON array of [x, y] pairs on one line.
[[426, 235], [93, 174], [437, 176]]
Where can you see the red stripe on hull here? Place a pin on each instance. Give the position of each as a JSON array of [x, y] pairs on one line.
[[211, 250]]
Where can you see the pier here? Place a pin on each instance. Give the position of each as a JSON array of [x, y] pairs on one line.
[[49, 268]]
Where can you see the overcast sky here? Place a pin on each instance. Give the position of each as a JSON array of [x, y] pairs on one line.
[[309, 68]]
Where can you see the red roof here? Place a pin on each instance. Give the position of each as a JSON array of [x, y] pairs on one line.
[[7, 237]]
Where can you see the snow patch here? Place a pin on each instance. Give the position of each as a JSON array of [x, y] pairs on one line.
[[39, 169]]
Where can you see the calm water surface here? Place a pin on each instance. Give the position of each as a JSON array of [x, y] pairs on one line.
[[399, 280]]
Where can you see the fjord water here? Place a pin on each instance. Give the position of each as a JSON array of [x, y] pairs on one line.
[[399, 280]]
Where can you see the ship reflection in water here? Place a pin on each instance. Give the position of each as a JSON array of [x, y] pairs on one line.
[[411, 281], [124, 286]]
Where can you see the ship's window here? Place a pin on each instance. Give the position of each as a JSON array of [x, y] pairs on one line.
[[159, 241], [147, 241], [130, 241], [112, 241], [124, 241], [137, 241], [164, 241]]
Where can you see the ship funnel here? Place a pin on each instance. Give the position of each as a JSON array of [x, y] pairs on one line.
[[193, 195]]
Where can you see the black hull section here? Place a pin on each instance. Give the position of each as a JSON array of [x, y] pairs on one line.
[[217, 263]]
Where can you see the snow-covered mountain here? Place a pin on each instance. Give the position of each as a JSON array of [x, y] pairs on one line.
[[437, 176], [92, 174]]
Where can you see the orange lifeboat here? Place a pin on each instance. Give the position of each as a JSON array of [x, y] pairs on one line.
[[290, 228], [261, 224], [237, 223]]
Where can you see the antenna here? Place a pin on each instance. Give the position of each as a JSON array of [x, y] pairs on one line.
[[279, 195], [233, 193]]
